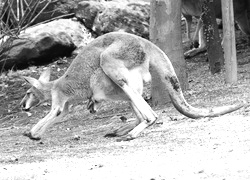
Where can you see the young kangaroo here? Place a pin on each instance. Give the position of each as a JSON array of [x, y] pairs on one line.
[[113, 66], [193, 8]]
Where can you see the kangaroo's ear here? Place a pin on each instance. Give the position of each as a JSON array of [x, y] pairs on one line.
[[45, 76], [34, 82]]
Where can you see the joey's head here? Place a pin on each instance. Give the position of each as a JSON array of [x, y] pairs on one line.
[[38, 93]]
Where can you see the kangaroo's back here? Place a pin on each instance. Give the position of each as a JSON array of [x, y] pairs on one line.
[[88, 59]]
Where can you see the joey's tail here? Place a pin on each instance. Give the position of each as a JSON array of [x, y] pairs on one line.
[[165, 70]]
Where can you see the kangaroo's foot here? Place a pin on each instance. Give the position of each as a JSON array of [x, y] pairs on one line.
[[193, 52], [123, 130], [135, 132]]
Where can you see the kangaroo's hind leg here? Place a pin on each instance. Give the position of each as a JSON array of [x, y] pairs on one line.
[[138, 126], [125, 129], [116, 70], [142, 110], [102, 87]]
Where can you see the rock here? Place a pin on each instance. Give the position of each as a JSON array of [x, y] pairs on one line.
[[98, 17], [87, 12], [42, 44], [104, 17]]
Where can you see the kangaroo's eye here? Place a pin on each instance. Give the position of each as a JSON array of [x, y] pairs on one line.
[[30, 94]]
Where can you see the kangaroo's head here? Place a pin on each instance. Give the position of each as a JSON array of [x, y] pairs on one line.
[[39, 92]]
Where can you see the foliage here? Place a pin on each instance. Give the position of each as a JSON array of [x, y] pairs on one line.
[[19, 14]]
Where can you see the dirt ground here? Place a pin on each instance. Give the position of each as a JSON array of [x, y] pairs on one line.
[[176, 147]]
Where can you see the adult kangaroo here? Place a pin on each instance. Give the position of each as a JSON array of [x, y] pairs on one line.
[[113, 67]]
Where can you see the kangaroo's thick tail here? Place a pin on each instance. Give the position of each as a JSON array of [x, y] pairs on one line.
[[161, 63]]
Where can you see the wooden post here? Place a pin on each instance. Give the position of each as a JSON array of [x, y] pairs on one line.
[[165, 32], [229, 41]]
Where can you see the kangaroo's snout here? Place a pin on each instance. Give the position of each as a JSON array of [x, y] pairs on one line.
[[28, 102], [23, 107], [23, 104], [91, 106]]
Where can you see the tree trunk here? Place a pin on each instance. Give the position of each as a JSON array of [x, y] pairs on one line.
[[229, 41], [165, 32], [211, 33]]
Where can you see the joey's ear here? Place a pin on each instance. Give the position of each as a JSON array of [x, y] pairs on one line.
[[34, 82], [45, 76]]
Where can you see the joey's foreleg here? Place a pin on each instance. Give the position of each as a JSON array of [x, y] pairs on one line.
[[197, 35], [201, 48]]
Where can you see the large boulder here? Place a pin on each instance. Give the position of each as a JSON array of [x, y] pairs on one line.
[[104, 17], [42, 44], [97, 15]]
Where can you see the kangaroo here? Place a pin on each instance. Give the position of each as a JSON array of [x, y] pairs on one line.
[[114, 66], [193, 8]]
